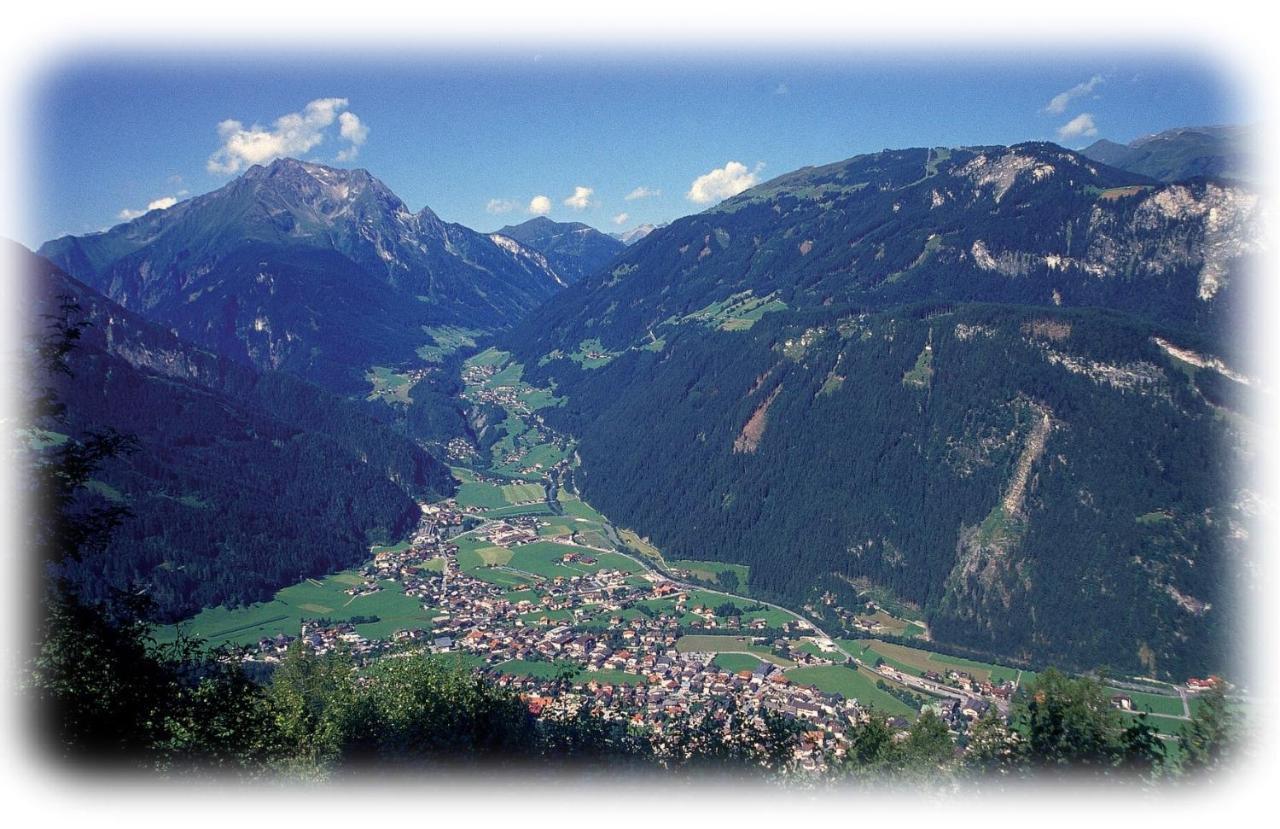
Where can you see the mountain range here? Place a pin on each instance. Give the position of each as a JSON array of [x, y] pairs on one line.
[[999, 386], [313, 270], [1178, 154], [989, 382], [572, 249]]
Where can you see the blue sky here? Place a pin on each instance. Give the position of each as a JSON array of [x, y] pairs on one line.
[[478, 139]]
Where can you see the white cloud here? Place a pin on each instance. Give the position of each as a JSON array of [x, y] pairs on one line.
[[293, 134], [643, 193], [581, 198], [723, 182], [497, 206], [1058, 104], [781, 89], [1082, 124], [351, 129], [162, 203], [621, 218], [540, 205]]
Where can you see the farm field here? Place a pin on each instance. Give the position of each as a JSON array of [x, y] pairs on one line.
[[539, 509], [476, 495], [728, 644], [311, 599], [518, 493], [838, 679]]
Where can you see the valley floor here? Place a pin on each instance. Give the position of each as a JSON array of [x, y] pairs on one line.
[[524, 582]]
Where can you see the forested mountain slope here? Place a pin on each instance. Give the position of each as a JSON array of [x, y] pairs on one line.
[[968, 377], [242, 481], [304, 268]]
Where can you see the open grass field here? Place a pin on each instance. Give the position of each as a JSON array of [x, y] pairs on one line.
[[475, 495], [544, 454], [837, 679], [446, 340], [494, 556], [735, 313], [313, 598], [710, 570], [550, 670], [539, 398], [489, 357], [772, 617], [728, 644], [575, 507], [503, 578], [388, 385], [734, 662], [536, 668], [390, 548], [557, 526], [893, 625], [592, 354], [1154, 703], [916, 661], [544, 558], [641, 545], [535, 617], [490, 496], [518, 493], [539, 508]]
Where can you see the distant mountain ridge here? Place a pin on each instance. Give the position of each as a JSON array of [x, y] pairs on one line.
[[572, 249], [635, 234], [307, 268], [1182, 153]]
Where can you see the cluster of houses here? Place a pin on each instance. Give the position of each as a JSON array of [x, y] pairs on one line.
[[616, 633], [512, 533], [460, 449], [508, 397], [320, 637], [667, 683]]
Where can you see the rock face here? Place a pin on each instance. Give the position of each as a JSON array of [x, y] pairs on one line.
[[307, 268], [1029, 224], [991, 381]]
